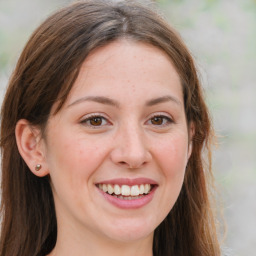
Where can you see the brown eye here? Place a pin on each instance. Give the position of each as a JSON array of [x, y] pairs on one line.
[[157, 120], [96, 121], [160, 120]]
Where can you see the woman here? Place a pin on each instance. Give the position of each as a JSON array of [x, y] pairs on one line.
[[103, 127]]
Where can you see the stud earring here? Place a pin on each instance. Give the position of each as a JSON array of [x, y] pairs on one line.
[[38, 167]]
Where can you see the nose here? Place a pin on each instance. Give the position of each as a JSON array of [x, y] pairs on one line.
[[130, 149]]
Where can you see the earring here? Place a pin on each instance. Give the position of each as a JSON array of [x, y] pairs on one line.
[[38, 167]]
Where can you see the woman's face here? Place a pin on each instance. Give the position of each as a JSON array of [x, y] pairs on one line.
[[117, 150]]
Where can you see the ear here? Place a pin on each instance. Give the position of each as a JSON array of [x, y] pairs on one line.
[[31, 147], [191, 133]]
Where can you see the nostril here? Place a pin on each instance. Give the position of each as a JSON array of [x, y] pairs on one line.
[[130, 166]]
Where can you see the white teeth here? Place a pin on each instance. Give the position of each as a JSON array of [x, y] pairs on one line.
[[110, 189], [142, 187], [147, 188], [127, 191], [135, 190], [117, 190], [128, 197], [104, 187]]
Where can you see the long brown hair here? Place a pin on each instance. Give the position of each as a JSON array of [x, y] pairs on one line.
[[44, 75]]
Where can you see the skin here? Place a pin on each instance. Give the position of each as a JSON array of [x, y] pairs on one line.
[[125, 142]]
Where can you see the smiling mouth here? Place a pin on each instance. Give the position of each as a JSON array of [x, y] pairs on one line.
[[126, 192]]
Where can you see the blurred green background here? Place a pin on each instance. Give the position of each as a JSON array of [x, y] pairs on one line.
[[221, 35]]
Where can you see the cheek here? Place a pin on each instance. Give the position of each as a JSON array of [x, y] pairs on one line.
[[74, 156], [172, 157], [72, 162]]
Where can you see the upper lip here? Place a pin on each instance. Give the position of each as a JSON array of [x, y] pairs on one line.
[[129, 182]]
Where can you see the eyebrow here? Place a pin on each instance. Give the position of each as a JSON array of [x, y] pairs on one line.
[[162, 100], [99, 99], [111, 102]]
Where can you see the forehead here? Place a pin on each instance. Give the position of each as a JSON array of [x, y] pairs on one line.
[[126, 50], [127, 67]]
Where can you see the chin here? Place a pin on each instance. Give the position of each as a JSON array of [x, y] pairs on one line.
[[130, 230]]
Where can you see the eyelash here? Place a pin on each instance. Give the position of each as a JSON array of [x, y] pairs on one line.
[[92, 118], [167, 120], [103, 121]]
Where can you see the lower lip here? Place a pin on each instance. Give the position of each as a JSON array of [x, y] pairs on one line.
[[129, 204]]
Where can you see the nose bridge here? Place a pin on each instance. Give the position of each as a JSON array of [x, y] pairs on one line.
[[131, 146], [133, 140]]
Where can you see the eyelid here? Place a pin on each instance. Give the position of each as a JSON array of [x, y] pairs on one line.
[[88, 117], [164, 115]]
